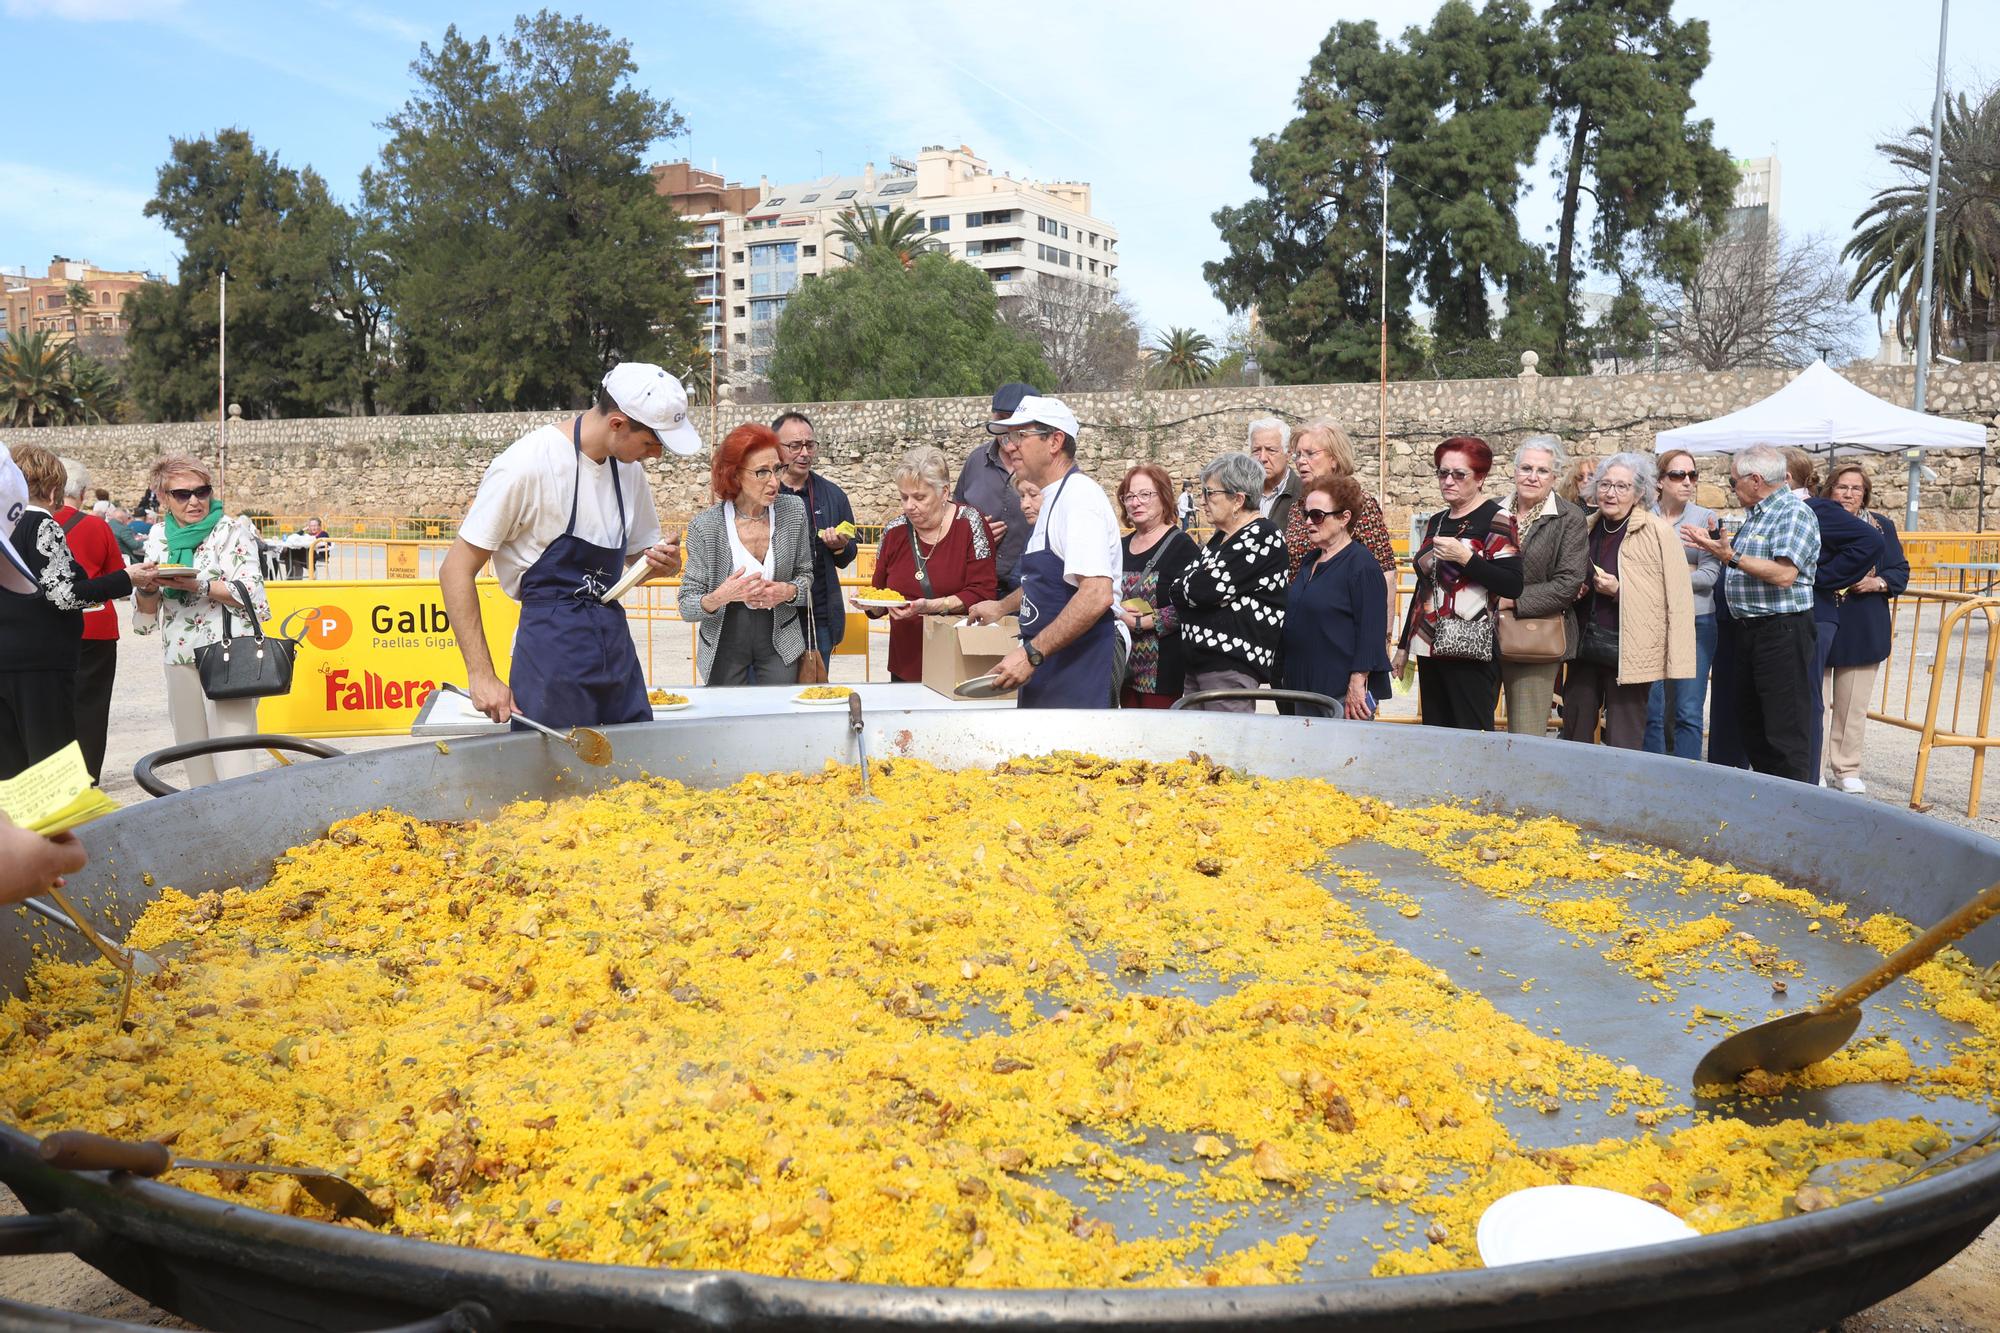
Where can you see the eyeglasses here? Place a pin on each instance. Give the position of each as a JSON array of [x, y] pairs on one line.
[[198, 493], [1530, 470], [1615, 488], [1130, 496], [801, 445], [765, 473], [1318, 516], [1208, 494], [1019, 435], [1452, 474], [1678, 474]]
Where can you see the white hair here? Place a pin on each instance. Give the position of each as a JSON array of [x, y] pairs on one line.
[[76, 477], [101, 508], [1763, 460], [1644, 480], [1270, 423], [1548, 444]]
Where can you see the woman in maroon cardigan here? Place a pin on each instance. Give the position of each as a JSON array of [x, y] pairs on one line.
[[937, 553]]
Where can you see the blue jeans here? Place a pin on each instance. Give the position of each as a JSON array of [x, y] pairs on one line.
[[1689, 695]]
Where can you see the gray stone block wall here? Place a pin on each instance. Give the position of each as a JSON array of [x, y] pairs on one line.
[[431, 465]]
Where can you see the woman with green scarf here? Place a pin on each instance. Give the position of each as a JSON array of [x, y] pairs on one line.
[[187, 612]]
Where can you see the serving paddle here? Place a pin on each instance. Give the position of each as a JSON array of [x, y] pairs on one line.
[[79, 1150], [1801, 1039]]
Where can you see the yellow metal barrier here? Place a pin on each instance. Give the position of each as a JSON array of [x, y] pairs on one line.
[[1932, 634], [1928, 552]]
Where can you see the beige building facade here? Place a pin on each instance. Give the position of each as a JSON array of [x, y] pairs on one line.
[[31, 304], [754, 247]]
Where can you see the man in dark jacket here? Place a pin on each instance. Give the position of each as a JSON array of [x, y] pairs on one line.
[[986, 482], [832, 550]]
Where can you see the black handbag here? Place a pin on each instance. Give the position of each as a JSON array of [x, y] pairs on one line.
[[256, 667], [1598, 646]]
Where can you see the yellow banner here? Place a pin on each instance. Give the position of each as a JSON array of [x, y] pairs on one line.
[[373, 652]]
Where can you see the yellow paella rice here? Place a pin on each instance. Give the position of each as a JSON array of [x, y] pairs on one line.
[[775, 1029]]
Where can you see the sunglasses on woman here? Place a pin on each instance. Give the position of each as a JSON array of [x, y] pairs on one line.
[[1677, 474], [1318, 516], [198, 493]]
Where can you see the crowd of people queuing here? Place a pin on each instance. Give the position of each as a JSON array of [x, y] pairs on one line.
[[1597, 599]]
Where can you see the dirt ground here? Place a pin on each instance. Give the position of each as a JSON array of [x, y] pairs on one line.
[[1961, 1297]]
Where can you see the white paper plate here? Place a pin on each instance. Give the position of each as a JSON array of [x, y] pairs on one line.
[[1561, 1221], [840, 702], [860, 605], [979, 687], [172, 571], [672, 708]]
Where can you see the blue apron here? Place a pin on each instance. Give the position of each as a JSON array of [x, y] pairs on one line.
[[1078, 676], [574, 663]]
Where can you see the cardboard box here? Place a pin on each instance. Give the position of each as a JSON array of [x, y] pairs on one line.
[[955, 652]]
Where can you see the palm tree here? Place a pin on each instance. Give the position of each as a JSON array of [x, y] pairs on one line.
[[77, 297], [1182, 359], [94, 394], [34, 380], [903, 234], [1888, 242]]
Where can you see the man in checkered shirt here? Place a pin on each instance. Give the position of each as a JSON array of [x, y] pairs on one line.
[[1769, 586]]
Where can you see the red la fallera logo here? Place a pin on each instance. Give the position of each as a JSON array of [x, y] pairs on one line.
[[347, 694]]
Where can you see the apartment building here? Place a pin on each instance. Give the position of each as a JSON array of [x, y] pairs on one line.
[[755, 247], [29, 304]]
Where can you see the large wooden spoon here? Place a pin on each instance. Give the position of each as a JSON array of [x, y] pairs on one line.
[[77, 1150], [1801, 1039]]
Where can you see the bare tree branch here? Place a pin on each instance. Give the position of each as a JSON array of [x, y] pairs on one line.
[[1088, 334], [1758, 300]]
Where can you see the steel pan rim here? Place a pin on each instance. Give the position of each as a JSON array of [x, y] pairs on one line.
[[125, 1205]]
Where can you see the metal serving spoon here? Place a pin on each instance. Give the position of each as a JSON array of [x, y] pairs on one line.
[[1801, 1039], [860, 745], [591, 745]]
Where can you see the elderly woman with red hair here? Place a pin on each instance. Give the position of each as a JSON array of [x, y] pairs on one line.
[[1470, 554], [749, 568]]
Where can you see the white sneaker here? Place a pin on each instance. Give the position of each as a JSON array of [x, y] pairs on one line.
[[1855, 785]]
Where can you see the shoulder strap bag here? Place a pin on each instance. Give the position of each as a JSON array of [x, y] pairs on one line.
[[812, 663], [1530, 640], [253, 667]]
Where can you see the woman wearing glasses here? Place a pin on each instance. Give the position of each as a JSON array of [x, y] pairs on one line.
[[186, 612], [1554, 563], [1469, 555], [749, 568], [936, 553], [1636, 606], [1336, 621], [1156, 551], [1231, 599], [1673, 707]]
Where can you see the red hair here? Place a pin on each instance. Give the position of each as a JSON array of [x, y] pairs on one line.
[[1477, 452], [725, 470]]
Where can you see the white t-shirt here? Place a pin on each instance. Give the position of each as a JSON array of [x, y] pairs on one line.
[[1080, 527], [523, 503]]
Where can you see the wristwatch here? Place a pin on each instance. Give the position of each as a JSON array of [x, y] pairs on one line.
[[1735, 560], [1034, 653]]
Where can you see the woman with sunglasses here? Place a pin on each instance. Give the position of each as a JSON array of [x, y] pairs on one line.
[[1674, 707], [1469, 555], [187, 612], [1336, 621], [1636, 608]]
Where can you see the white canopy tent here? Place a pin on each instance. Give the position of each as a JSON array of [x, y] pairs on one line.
[[1820, 411]]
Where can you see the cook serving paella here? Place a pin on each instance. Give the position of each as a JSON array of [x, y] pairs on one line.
[[1064, 1022]]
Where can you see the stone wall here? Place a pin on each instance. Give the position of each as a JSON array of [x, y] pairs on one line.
[[431, 465]]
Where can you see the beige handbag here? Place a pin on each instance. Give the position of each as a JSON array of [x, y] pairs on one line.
[[1531, 640]]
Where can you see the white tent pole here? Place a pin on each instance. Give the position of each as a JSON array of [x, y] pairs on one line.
[[1930, 256]]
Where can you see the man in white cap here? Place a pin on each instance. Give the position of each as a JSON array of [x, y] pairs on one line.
[[1067, 652], [561, 513]]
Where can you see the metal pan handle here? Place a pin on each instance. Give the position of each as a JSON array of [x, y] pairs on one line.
[[1334, 706], [150, 783]]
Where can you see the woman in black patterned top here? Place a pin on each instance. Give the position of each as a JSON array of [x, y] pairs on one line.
[[1231, 600], [1470, 554]]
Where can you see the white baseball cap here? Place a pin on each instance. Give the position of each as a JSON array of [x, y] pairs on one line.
[[15, 576], [656, 400], [1050, 412]]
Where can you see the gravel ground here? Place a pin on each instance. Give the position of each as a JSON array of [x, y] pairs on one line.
[[1961, 1297]]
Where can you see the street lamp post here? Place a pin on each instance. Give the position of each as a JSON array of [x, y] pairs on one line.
[[1930, 256]]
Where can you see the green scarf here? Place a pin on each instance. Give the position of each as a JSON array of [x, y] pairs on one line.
[[183, 540]]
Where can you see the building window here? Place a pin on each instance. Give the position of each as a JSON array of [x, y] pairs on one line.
[[773, 253], [810, 251], [897, 187], [1065, 231], [808, 198], [736, 256], [742, 339], [941, 224], [844, 194], [736, 284], [739, 312], [773, 203]]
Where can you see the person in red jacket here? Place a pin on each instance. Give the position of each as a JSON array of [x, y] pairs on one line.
[[95, 548]]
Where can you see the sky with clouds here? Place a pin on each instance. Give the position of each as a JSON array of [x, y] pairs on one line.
[[1153, 103]]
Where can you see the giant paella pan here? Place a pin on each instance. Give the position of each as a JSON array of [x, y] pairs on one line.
[[1435, 870]]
